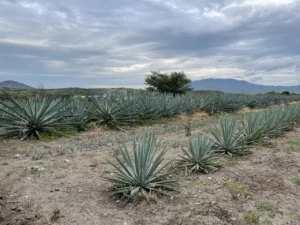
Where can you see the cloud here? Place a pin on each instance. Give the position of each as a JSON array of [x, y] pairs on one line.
[[117, 43]]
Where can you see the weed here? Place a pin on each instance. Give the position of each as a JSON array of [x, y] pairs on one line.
[[63, 151], [251, 218], [55, 215], [296, 180], [268, 144], [294, 147], [188, 128], [238, 190], [298, 216], [38, 155], [57, 133], [268, 207], [94, 163]]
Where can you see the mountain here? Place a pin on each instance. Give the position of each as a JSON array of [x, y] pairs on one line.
[[239, 86], [14, 84]]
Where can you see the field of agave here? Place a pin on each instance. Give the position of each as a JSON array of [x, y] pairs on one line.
[[225, 164], [30, 117], [233, 136]]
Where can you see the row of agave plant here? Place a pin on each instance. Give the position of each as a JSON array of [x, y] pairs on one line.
[[144, 172], [29, 117]]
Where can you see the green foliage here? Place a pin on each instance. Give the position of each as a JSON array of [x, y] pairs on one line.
[[296, 180], [285, 93], [252, 218], [78, 113], [142, 173], [26, 118], [253, 127], [269, 208], [175, 83], [57, 132], [228, 138], [110, 111], [223, 103], [188, 129], [199, 156]]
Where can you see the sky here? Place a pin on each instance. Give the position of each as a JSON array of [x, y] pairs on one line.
[[116, 43]]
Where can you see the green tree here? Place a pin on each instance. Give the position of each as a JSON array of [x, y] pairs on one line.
[[175, 82]]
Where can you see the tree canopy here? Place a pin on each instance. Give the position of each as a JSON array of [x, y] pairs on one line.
[[175, 82]]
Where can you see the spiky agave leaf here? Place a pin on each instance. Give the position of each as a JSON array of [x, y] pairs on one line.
[[29, 117], [199, 156], [143, 172], [228, 138]]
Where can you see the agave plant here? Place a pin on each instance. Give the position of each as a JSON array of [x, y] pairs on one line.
[[29, 117], [253, 127], [113, 110], [78, 113], [228, 138], [142, 173], [199, 156], [277, 122]]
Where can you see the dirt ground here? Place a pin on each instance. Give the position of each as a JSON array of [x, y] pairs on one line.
[[59, 182]]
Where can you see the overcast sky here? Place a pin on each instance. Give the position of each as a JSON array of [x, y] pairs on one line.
[[95, 43]]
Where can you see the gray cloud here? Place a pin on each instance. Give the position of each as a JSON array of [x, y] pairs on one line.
[[116, 43]]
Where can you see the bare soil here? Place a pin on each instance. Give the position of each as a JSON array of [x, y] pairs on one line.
[[59, 182]]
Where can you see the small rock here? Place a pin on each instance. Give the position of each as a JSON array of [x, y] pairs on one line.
[[17, 209], [56, 189], [17, 156], [37, 168], [66, 160]]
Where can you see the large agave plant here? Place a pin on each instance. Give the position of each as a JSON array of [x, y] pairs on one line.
[[26, 118], [79, 114], [253, 127], [199, 156], [143, 172], [228, 138], [277, 122], [113, 110]]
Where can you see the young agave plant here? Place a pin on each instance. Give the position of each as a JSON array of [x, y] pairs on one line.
[[228, 138], [28, 118], [253, 127], [199, 156], [142, 173]]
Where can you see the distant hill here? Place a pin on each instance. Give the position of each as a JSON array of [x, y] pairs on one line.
[[239, 86], [14, 84]]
